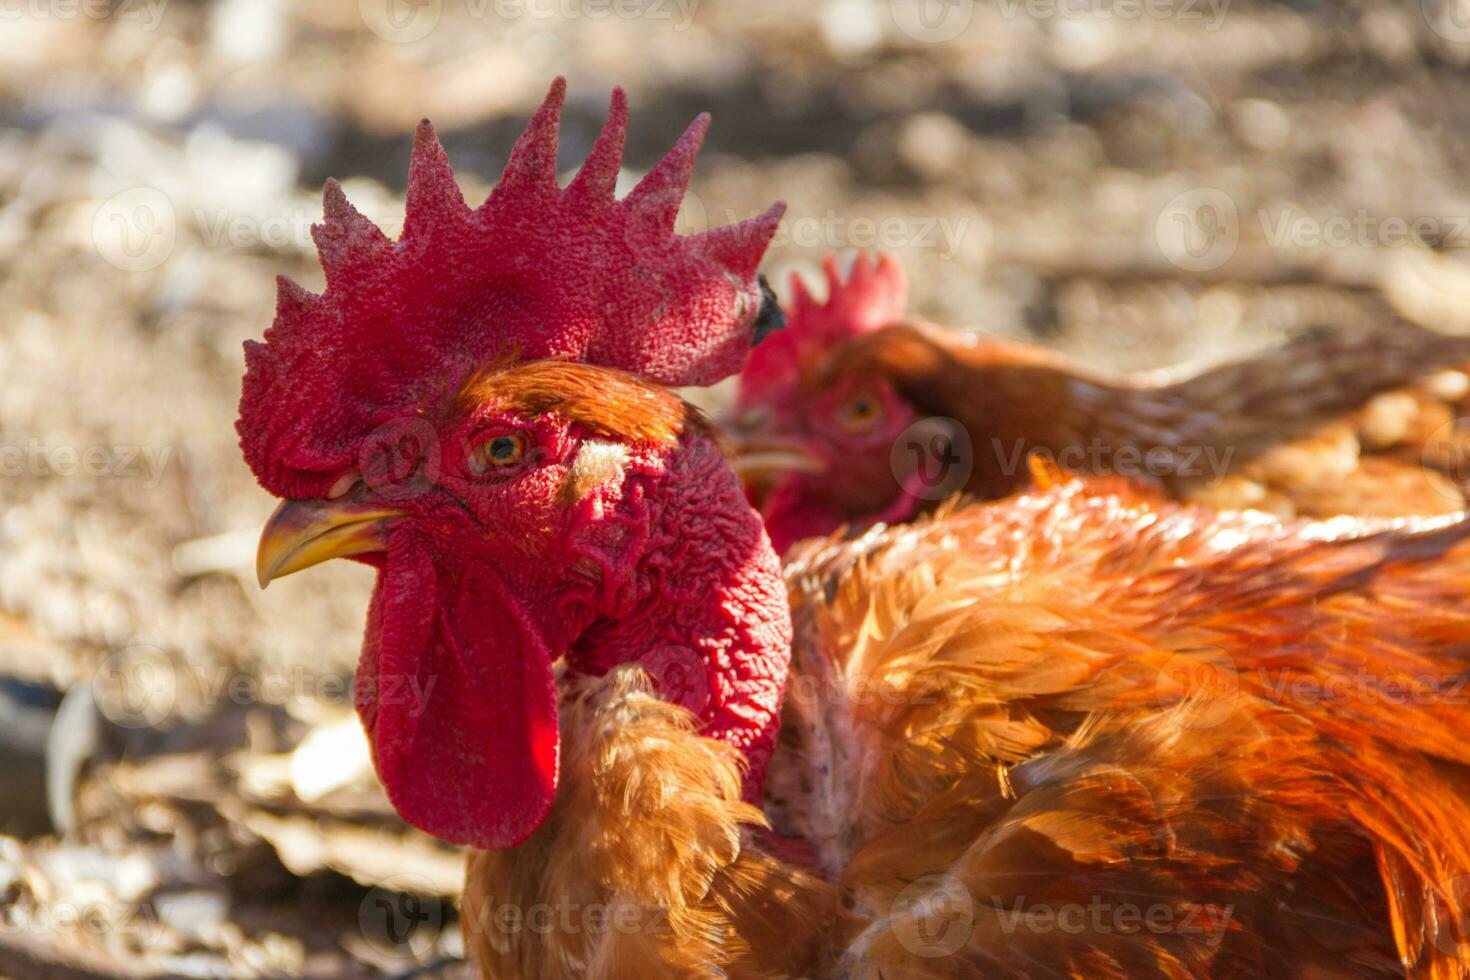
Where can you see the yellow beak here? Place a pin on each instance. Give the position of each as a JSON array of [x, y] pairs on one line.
[[302, 533]]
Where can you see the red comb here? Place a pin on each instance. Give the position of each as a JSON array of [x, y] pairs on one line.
[[547, 272], [873, 296]]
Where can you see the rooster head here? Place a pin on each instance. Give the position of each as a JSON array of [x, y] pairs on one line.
[[476, 411], [814, 447]]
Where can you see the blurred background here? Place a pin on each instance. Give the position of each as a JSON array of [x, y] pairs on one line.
[[1141, 183]]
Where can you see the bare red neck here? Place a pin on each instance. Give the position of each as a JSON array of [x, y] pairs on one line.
[[705, 610]]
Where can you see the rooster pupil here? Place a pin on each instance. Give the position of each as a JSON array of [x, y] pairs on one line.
[[502, 449]]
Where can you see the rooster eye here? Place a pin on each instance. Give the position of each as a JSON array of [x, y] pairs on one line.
[[859, 413], [498, 451]]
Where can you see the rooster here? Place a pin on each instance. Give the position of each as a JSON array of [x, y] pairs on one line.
[[1080, 731], [828, 415]]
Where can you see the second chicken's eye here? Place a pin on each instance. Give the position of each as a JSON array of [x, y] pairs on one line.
[[498, 452], [752, 420], [859, 413]]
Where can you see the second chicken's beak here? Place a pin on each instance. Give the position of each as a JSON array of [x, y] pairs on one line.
[[759, 462], [302, 533]]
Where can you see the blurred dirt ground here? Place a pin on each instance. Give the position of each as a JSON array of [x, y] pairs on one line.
[[1141, 183]]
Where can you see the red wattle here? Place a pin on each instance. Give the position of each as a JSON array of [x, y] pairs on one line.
[[455, 690]]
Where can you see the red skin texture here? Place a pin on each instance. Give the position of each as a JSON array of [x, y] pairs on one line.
[[536, 271], [707, 592], [455, 685], [462, 720], [872, 296], [858, 486], [488, 579]]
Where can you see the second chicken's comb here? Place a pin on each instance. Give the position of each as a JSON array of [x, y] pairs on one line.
[[873, 295]]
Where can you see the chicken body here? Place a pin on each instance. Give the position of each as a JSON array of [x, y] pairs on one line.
[[1078, 732], [1083, 730], [878, 418]]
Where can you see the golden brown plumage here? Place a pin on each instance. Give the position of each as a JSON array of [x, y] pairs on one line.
[[649, 865], [1078, 732]]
